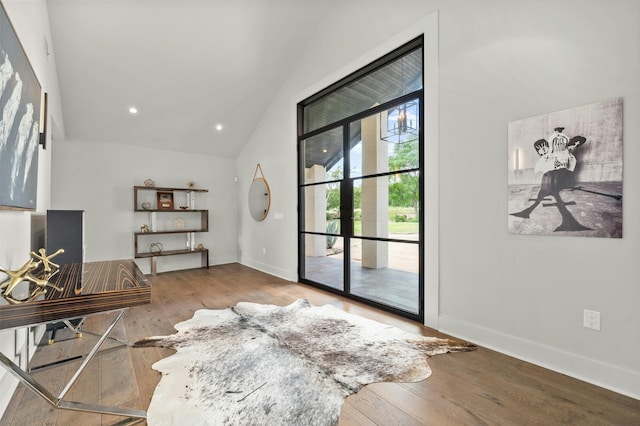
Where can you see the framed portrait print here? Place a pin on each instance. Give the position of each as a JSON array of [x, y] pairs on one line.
[[165, 200], [565, 172]]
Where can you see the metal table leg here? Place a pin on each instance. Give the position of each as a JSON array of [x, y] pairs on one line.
[[58, 401]]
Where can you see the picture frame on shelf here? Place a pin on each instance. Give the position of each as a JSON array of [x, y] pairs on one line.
[[165, 200]]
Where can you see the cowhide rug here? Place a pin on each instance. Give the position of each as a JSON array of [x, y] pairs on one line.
[[268, 365]]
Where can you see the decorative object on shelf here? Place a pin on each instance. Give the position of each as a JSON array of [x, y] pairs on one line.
[[146, 205], [259, 196], [156, 248], [144, 228], [165, 200], [191, 184], [200, 247], [149, 183], [178, 223], [37, 270], [21, 101], [184, 207]]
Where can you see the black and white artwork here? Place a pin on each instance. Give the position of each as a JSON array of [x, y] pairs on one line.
[[565, 172], [20, 97]]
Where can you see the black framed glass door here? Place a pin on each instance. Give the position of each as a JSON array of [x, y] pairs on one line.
[[360, 186]]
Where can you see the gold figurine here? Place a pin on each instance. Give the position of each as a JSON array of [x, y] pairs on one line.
[[24, 273], [46, 260]]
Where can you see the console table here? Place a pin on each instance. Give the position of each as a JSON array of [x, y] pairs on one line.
[[87, 289]]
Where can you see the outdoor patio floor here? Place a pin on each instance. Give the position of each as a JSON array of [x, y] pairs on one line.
[[390, 286]]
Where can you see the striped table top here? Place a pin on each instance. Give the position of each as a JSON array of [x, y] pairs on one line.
[[86, 289]]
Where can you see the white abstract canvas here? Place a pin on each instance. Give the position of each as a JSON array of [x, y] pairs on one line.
[[20, 98]]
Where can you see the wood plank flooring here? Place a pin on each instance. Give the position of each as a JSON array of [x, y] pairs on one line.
[[476, 388]]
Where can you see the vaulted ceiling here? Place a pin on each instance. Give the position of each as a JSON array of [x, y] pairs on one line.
[[186, 66]]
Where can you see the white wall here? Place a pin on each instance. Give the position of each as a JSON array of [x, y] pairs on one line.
[[515, 61], [499, 61], [99, 178], [31, 22]]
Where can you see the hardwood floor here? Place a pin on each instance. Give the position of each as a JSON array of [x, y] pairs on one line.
[[476, 388]]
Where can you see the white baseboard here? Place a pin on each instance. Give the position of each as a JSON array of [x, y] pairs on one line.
[[222, 260], [269, 269], [608, 376]]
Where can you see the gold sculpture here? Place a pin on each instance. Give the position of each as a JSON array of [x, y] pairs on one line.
[[25, 273], [156, 248]]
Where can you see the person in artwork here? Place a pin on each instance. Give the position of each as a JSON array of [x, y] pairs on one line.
[[545, 163], [560, 154], [557, 163]]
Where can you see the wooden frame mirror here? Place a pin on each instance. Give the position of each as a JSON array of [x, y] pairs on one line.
[[259, 196]]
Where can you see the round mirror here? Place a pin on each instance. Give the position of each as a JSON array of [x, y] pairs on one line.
[[259, 199]]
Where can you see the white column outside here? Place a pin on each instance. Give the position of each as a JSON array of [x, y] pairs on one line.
[[315, 208], [375, 195]]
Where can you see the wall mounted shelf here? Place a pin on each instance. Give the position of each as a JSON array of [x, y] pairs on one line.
[[197, 222]]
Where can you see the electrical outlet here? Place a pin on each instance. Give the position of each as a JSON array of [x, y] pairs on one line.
[[591, 319]]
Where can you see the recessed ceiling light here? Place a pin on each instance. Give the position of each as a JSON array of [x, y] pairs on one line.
[[133, 110], [218, 127]]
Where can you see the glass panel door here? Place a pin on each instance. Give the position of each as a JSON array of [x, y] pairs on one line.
[[384, 262], [322, 243], [361, 219], [360, 183]]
